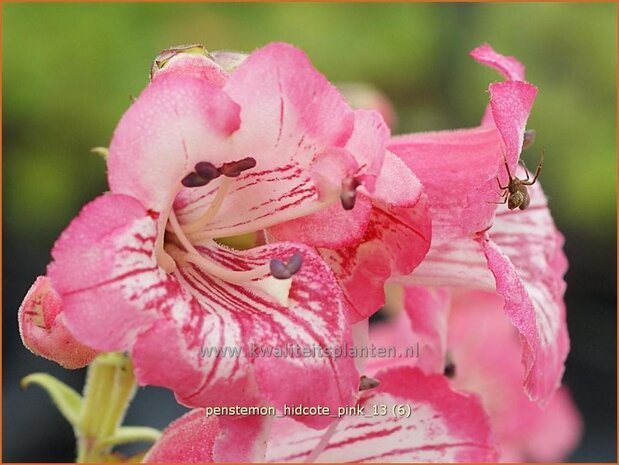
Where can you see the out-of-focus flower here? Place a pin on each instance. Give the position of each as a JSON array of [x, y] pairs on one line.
[[469, 339], [474, 244], [206, 152], [442, 425], [485, 351], [43, 330]]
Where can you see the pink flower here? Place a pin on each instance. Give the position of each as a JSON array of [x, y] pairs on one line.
[[441, 426], [205, 154], [472, 342], [43, 330], [477, 245], [485, 350]]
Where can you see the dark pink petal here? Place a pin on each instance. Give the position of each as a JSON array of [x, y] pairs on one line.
[[511, 104], [443, 426], [458, 171], [395, 242], [524, 430], [242, 440], [189, 439], [509, 67], [43, 331], [524, 253], [106, 275], [116, 297]]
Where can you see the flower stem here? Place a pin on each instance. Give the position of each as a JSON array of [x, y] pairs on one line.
[[110, 386]]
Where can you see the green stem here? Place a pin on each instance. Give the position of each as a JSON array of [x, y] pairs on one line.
[[110, 386]]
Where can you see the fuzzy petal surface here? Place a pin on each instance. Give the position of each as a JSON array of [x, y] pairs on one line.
[[117, 298], [443, 426], [43, 330]]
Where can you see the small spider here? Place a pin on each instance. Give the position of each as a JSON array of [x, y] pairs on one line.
[[515, 194]]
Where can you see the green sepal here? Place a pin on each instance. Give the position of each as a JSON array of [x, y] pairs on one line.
[[67, 400], [126, 434]]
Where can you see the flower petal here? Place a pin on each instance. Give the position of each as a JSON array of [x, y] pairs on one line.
[[418, 334], [189, 439], [458, 172], [395, 242], [335, 227], [117, 298], [194, 62], [524, 430], [196, 438], [508, 66], [524, 253], [177, 121], [43, 331], [303, 136], [106, 275], [443, 426], [511, 103], [268, 333]]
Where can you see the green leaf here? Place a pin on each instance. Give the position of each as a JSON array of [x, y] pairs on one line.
[[127, 434], [68, 401]]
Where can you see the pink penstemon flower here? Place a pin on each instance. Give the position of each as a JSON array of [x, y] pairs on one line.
[[474, 345], [206, 153], [479, 244]]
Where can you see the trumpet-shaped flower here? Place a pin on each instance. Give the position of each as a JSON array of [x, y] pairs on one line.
[[475, 244], [208, 152], [410, 417], [471, 342]]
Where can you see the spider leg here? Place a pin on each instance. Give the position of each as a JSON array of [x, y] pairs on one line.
[[499, 203], [538, 170], [526, 171], [499, 183]]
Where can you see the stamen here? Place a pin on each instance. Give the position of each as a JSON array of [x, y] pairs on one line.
[[207, 170], [164, 260], [194, 179], [235, 168], [193, 256], [212, 209], [450, 369], [281, 270], [349, 192], [365, 383]]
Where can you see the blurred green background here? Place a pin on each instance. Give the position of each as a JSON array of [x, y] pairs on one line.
[[69, 71]]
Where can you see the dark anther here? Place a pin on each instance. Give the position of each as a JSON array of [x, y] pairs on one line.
[[194, 180], [529, 138], [281, 270], [349, 192], [207, 170], [365, 383], [450, 369], [295, 262], [235, 168]]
